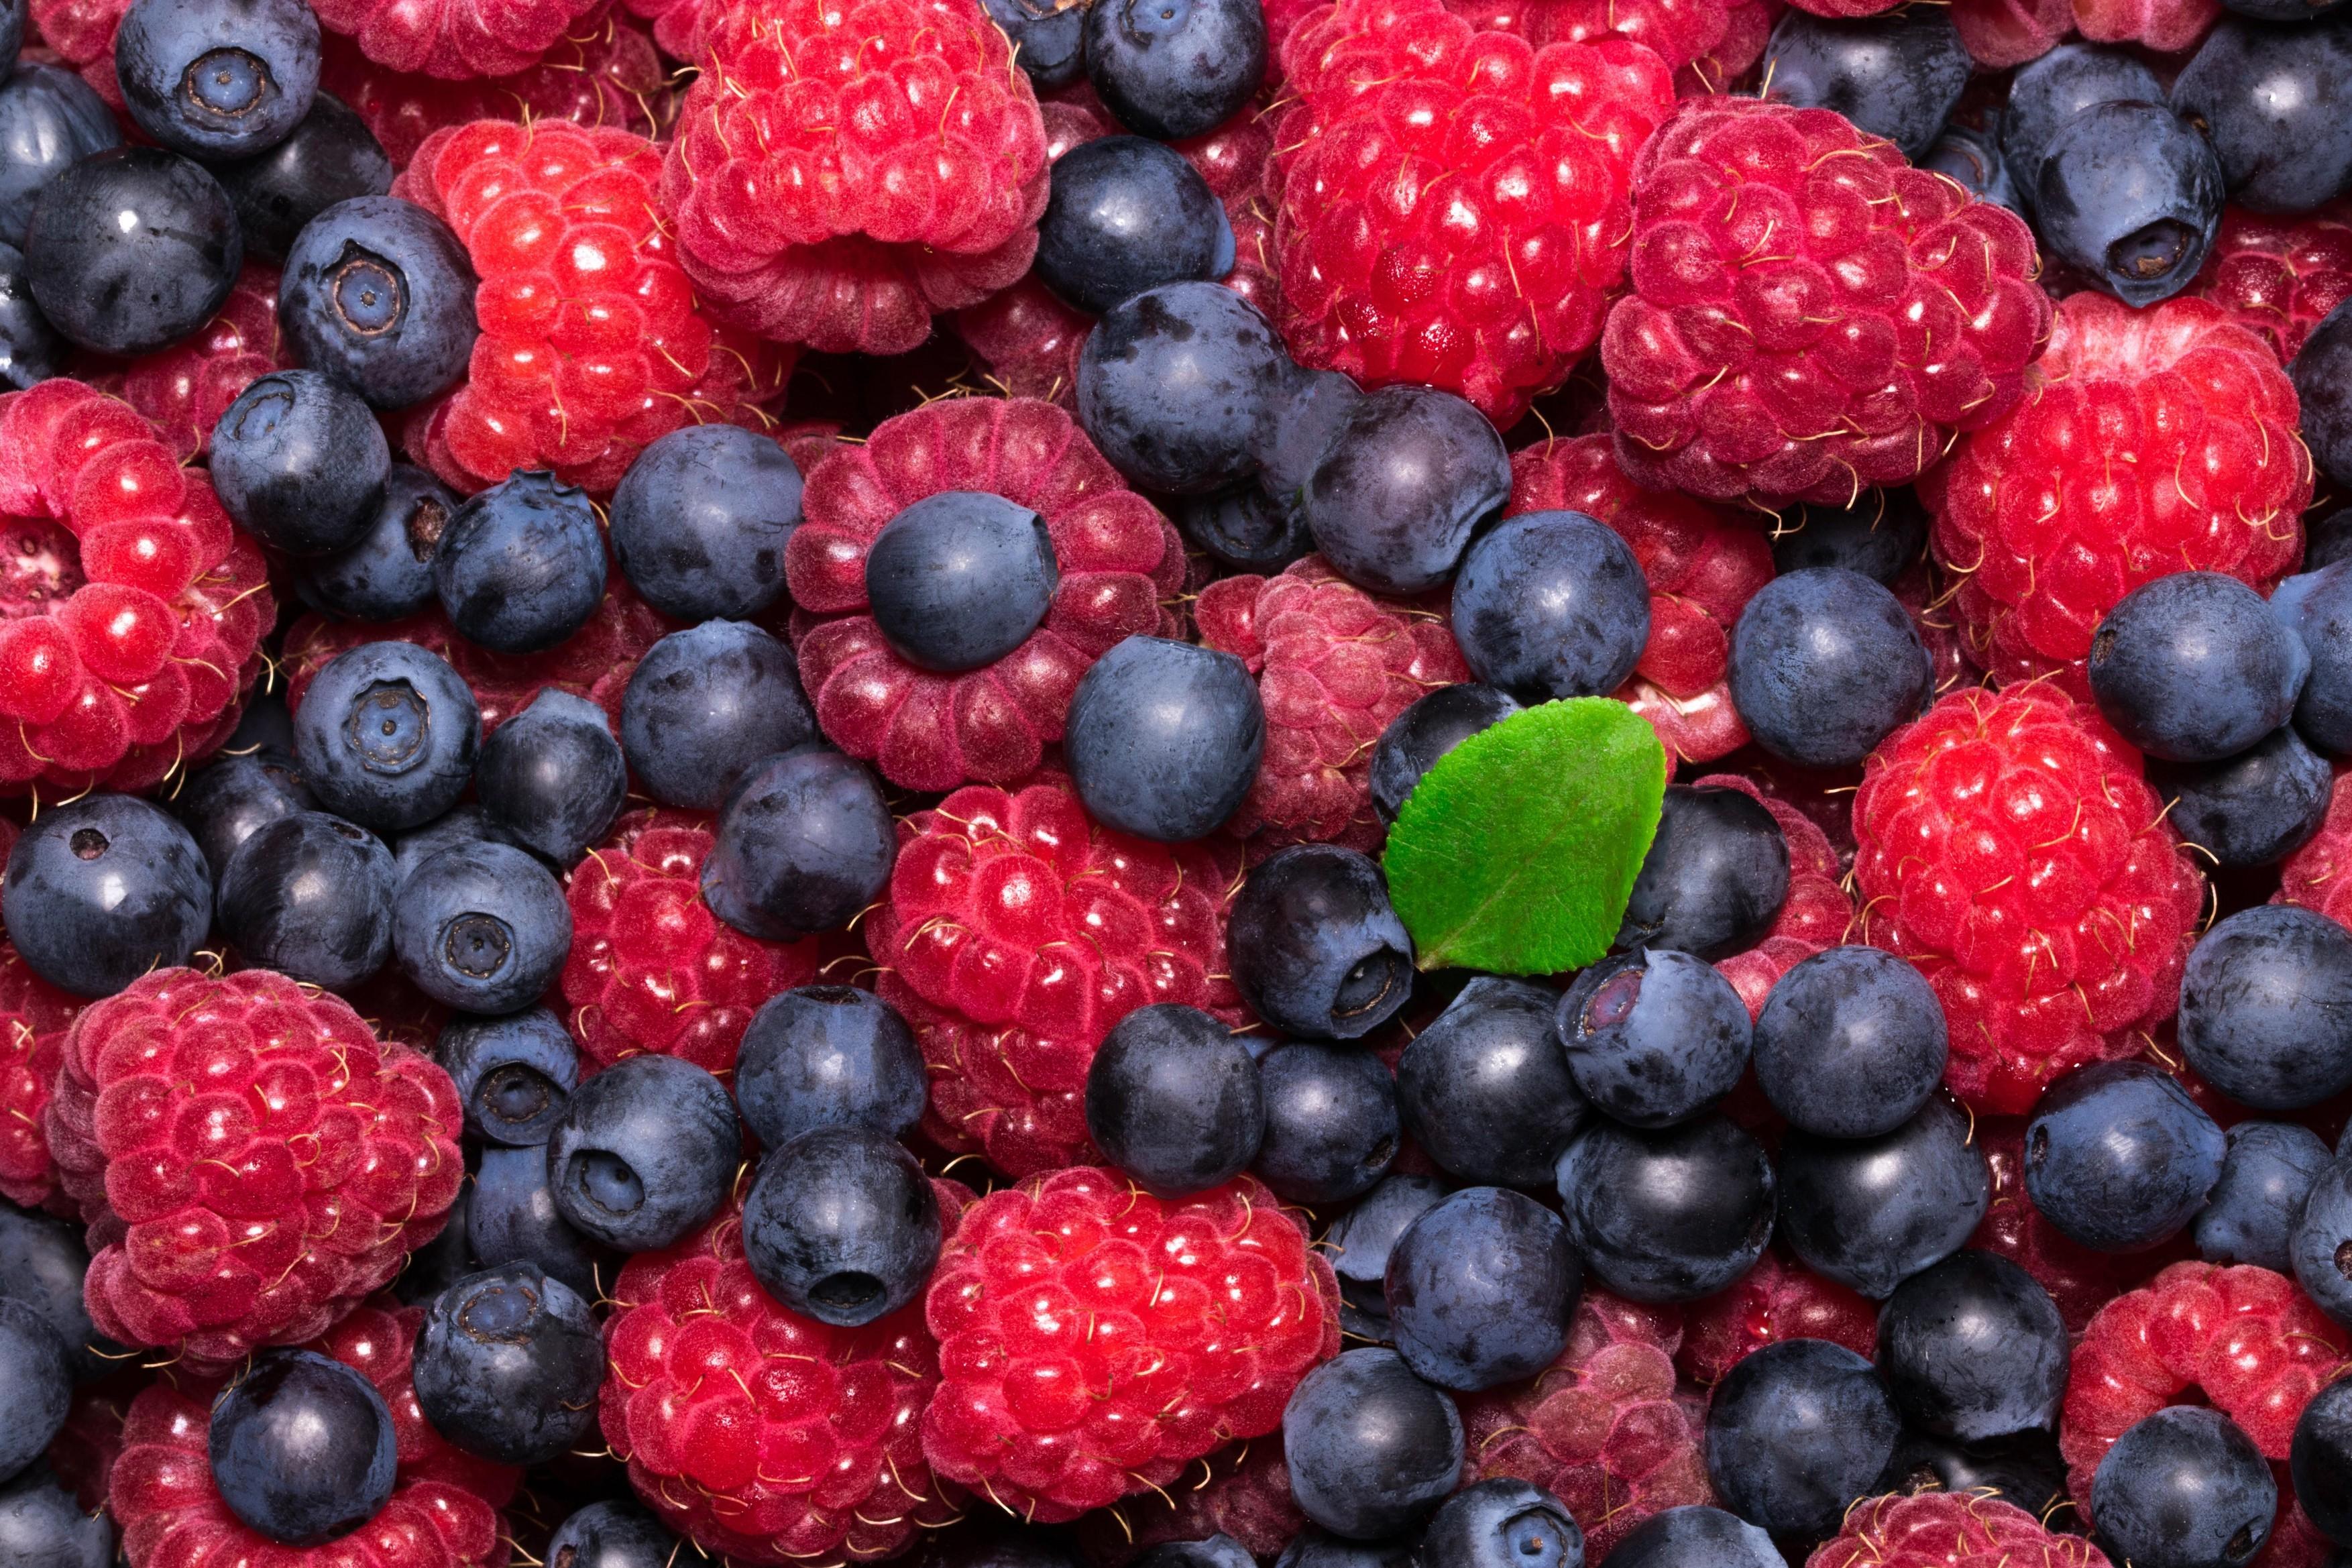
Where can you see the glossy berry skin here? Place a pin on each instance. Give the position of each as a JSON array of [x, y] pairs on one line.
[[1125, 214], [1433, 726], [1696, 1534], [1174, 1099], [1164, 737], [310, 897], [1654, 1038], [1880, 535], [1796, 1432], [1371, 1448], [1314, 946], [1175, 385], [521, 565], [2259, 1008], [45, 1261], [217, 79], [125, 290], [1668, 1215], [1844, 1017], [1826, 664], [1173, 71], [803, 845], [2193, 668], [49, 119], [102, 891], [378, 294], [644, 1153], [2318, 1244], [329, 157], [2050, 90], [44, 1523], [2119, 1158], [613, 1535], [1715, 877], [1484, 1090], [1480, 1290], [1503, 1524], [513, 1073], [302, 1448], [1551, 604], [511, 1217], [2184, 1489], [700, 519], [2322, 1460], [828, 1055], [1898, 76], [552, 777], [36, 1380], [1332, 1123], [2267, 1174], [1870, 1213], [2254, 809], [387, 573], [705, 705], [2315, 606], [1409, 475], [1358, 1243], [508, 1363], [387, 736], [842, 1225], [481, 927], [2130, 193], [2255, 89], [299, 462], [1973, 1349]]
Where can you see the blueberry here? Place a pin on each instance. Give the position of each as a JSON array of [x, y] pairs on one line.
[[1481, 1289], [1126, 214], [1000, 1544], [481, 927], [803, 845], [225, 803], [1244, 529], [1668, 1215], [1824, 664], [2266, 1007], [2322, 373], [331, 156], [2318, 606], [49, 119], [2253, 809], [42, 1526], [512, 1217], [266, 725], [1551, 604], [1173, 69], [1425, 731], [1897, 75], [388, 573], [645, 1152], [1796, 1432], [551, 777], [842, 1225], [465, 825], [36, 1383], [300, 462], [1332, 1123], [43, 1264], [1358, 1244], [513, 1073], [1844, 1017], [1164, 737], [1869, 1213], [1713, 879], [302, 1448], [2267, 1175], [1880, 535], [2327, 540], [102, 890], [1174, 1099], [1484, 1088], [1305, 419], [828, 1055], [387, 735], [2184, 1489], [2047, 93], [130, 249], [700, 521], [2264, 96], [507, 1364], [2193, 668], [613, 1535], [2130, 193], [2026, 1471], [1218, 1550], [217, 79], [1045, 39], [1654, 1038], [1973, 1349], [379, 294], [2320, 1246], [521, 565], [12, 32], [959, 579], [1314, 946], [1502, 1523], [2321, 1460], [1409, 475], [1695, 1537], [1370, 1448], [2118, 1157], [707, 705], [310, 897], [30, 350], [1175, 384], [1973, 159]]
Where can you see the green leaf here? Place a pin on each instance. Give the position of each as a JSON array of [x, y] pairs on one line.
[[1516, 853]]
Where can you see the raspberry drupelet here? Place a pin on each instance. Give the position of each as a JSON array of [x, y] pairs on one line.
[[82, 34], [1095, 1340], [2164, 26], [1780, 1299], [2277, 277], [34, 1018], [454, 38], [1949, 1529], [2151, 442], [131, 609], [2319, 874], [1243, 1492], [1705, 42], [1809, 315], [843, 174], [251, 1161], [1452, 204], [2007, 845], [1116, 556]]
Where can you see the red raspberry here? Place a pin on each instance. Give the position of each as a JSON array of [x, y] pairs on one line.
[[677, 24], [444, 1512], [185, 389], [1810, 314], [1452, 204], [2276, 277], [1780, 1299], [1999, 33], [1708, 42], [2008, 845], [2313, 876], [130, 609], [251, 1160], [83, 1453], [1095, 1340], [82, 34], [1016, 932], [2244, 1338], [842, 176], [1845, 7], [1243, 1492], [1119, 559], [2154, 441], [454, 38], [1602, 1429], [2079, 1281], [651, 968], [1334, 666], [2166, 27], [33, 1018], [591, 346], [762, 1434], [1949, 1529], [1816, 914]]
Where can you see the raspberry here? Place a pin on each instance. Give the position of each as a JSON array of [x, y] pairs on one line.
[[454, 38], [651, 968], [130, 609], [1334, 666], [1816, 914], [2244, 1338], [1453, 205], [2310, 877], [1244, 1491], [2166, 27], [1117, 558], [591, 346], [2079, 1281], [764, 1435], [444, 1512], [1949, 1530], [82, 1454], [1999, 33], [1810, 314], [33, 1018], [2007, 845], [251, 1161], [1846, 8], [1601, 1428], [1708, 42], [82, 33], [677, 24], [842, 176], [1780, 1299], [2154, 441], [2276, 277], [185, 389], [1095, 1340], [1016, 932]]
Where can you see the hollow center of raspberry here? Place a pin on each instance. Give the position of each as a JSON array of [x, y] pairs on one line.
[[390, 729], [478, 944], [40, 568], [369, 294], [959, 579], [225, 84]]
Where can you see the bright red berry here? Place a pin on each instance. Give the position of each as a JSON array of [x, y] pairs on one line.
[[2319, 874], [2276, 277], [82, 33], [33, 1018], [1708, 42], [2166, 27], [1780, 1299], [1949, 1529], [454, 38], [677, 24]]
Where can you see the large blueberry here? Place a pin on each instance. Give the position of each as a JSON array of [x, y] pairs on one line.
[[507, 1364], [1713, 879], [512, 1217], [387, 573], [1973, 1349], [331, 156], [644, 1152], [226, 803], [1503, 1523], [842, 1225], [2049, 92], [2184, 1489], [2193, 668], [521, 565], [302, 1448], [44, 1264], [1845, 1016], [513, 1073], [1486, 1090], [2131, 194], [1695, 1536], [130, 249], [804, 844], [387, 735], [1370, 1448], [1824, 664], [612, 1534], [707, 705], [481, 927], [552, 778], [1332, 1121], [828, 1055], [2266, 1007], [959, 579], [700, 521], [379, 294], [1481, 1289], [1897, 75], [2264, 96], [1175, 384], [1669, 1216], [1174, 1099], [2253, 809], [1411, 473], [104, 890], [1314, 946], [301, 461], [1869, 1213], [2267, 1175], [1164, 737], [1173, 69], [310, 897], [1551, 604], [49, 119], [1654, 1038], [1796, 1432], [1125, 214], [2118, 1157], [217, 79], [1433, 726]]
